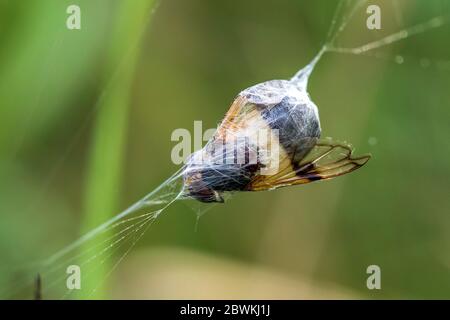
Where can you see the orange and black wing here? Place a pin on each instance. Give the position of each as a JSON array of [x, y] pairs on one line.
[[325, 161], [239, 116]]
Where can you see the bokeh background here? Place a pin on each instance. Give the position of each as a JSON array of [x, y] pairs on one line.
[[86, 118]]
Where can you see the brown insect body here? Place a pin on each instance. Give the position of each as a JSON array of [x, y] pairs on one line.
[[285, 110]]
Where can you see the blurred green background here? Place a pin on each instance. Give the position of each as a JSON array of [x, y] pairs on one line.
[[86, 118]]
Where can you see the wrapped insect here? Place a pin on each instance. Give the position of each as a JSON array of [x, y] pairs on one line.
[[268, 139]]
